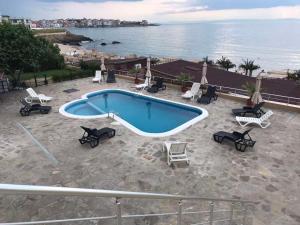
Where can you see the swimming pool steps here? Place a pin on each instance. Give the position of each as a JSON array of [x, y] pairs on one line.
[[237, 211]]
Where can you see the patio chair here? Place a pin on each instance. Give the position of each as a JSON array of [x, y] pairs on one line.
[[208, 96], [241, 140], [33, 96], [262, 121], [158, 86], [176, 152], [93, 136], [98, 76], [256, 110], [144, 85], [190, 94], [28, 108]]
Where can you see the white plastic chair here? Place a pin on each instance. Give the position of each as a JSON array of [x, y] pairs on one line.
[[176, 152], [190, 94], [262, 121], [33, 96], [98, 76], [144, 85]]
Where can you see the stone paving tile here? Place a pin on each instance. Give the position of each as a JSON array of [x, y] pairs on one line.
[[268, 173]]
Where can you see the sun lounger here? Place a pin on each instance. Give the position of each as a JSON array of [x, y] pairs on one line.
[[241, 140], [176, 152], [98, 76], [262, 121], [33, 96], [256, 110], [28, 108], [158, 86], [208, 96], [144, 85], [93, 136], [190, 94]]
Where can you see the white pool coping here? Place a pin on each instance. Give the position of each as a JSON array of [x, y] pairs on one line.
[[128, 125]]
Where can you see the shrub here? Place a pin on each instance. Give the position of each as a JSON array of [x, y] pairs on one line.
[[21, 50], [71, 75], [90, 65]]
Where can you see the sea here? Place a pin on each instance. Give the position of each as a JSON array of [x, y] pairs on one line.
[[273, 44]]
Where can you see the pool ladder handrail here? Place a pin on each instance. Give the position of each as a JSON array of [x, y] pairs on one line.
[[12, 189], [113, 114]]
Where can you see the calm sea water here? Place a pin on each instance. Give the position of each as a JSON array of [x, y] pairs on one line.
[[273, 44]]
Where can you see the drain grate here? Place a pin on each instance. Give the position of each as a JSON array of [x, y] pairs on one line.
[[70, 90]]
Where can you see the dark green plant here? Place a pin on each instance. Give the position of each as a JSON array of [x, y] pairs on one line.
[[250, 88], [184, 77], [225, 63], [294, 75], [154, 61], [249, 66], [21, 50], [71, 75], [134, 70], [91, 65]]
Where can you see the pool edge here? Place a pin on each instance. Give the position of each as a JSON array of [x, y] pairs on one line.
[[128, 125]]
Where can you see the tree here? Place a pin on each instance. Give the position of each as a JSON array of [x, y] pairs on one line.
[[294, 75], [208, 61], [21, 50], [249, 66], [154, 61], [225, 63]]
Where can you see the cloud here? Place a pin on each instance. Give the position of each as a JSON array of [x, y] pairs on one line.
[[88, 1], [154, 10]]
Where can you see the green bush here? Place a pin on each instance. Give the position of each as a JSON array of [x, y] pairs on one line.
[[21, 50], [71, 75], [90, 65]]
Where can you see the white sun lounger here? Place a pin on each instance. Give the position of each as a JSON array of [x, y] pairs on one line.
[[144, 85], [33, 96], [190, 94], [262, 121], [176, 152], [98, 76]]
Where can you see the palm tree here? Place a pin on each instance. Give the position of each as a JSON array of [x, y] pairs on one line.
[[249, 66], [208, 61], [154, 61], [225, 63], [294, 75]]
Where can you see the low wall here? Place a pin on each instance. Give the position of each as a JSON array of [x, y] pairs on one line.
[[238, 98]]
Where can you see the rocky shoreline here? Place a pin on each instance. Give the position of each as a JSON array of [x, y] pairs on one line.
[[67, 38]]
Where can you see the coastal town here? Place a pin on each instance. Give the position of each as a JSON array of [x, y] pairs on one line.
[[79, 23]]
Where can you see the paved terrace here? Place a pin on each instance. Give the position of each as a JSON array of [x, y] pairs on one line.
[[269, 173]]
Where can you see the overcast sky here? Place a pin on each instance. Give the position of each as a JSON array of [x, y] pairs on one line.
[[153, 10]]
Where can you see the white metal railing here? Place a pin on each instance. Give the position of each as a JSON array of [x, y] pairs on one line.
[[12, 189], [266, 96]]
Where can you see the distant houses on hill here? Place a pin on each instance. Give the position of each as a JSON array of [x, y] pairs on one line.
[[14, 20], [81, 23]]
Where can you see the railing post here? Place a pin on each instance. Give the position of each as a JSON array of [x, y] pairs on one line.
[[211, 213], [35, 81], [231, 213], [244, 213], [179, 216], [118, 211]]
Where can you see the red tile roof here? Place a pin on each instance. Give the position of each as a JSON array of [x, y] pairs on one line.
[[225, 78]]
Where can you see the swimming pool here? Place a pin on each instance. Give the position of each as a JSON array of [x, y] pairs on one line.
[[145, 115]]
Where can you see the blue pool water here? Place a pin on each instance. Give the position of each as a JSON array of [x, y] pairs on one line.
[[147, 114]]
